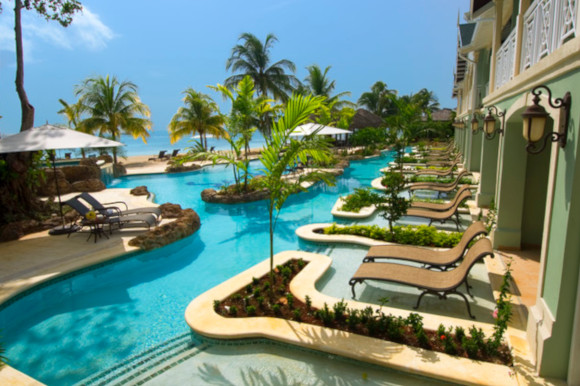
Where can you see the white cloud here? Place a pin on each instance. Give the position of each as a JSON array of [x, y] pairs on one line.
[[87, 31], [91, 31]]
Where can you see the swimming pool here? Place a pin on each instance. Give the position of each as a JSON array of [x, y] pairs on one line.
[[83, 324]]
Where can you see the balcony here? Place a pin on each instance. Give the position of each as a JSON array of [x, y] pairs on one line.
[[547, 24]]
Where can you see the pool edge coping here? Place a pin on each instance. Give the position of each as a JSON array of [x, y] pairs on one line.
[[201, 318]]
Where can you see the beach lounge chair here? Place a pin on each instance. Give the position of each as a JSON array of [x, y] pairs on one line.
[[442, 216], [174, 153], [437, 186], [437, 206], [113, 209], [430, 258], [441, 284], [161, 156], [96, 226], [443, 161]]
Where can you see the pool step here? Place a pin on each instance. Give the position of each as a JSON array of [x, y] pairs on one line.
[[135, 369]]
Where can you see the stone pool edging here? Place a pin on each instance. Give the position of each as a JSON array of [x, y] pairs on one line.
[[202, 319]]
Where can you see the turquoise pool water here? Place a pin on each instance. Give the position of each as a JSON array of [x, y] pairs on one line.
[[64, 332]]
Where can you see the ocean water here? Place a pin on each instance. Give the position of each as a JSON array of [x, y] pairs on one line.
[[159, 140]]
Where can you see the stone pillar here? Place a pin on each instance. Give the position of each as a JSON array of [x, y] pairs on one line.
[[511, 181], [488, 171]]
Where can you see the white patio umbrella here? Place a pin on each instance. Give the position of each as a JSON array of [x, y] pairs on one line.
[[310, 128], [50, 137]]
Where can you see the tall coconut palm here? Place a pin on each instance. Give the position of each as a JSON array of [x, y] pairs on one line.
[[252, 57], [378, 100], [73, 114], [427, 100], [114, 108], [318, 84], [199, 115]]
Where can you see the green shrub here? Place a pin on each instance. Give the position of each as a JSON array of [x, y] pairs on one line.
[[216, 305], [251, 310], [277, 310], [308, 302], [354, 202], [422, 235], [290, 299], [233, 310], [296, 314]]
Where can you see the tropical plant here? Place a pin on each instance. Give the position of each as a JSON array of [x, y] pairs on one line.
[[248, 113], [114, 108], [252, 57], [369, 136], [394, 205], [73, 113], [379, 100], [281, 151], [317, 83], [200, 115]]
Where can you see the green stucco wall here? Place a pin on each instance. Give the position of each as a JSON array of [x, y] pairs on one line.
[[535, 198]]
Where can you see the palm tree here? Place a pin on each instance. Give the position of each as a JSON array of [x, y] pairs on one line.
[[73, 114], [114, 108], [378, 100], [318, 84], [427, 100], [247, 114], [282, 151], [200, 115], [252, 58]]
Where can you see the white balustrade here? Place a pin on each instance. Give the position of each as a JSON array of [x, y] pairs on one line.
[[505, 59], [547, 25]]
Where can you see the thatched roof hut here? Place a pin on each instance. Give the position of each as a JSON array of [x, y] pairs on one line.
[[364, 118], [442, 115]]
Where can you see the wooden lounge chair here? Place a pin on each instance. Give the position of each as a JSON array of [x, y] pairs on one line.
[[113, 209], [442, 216], [437, 206], [430, 258], [127, 221], [174, 153], [441, 284], [437, 186]]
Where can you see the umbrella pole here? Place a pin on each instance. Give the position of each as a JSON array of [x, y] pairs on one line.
[[53, 160]]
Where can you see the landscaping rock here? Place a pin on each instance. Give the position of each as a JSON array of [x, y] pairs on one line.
[[140, 191], [88, 162], [48, 188], [181, 168], [170, 210], [90, 185], [186, 224], [119, 170], [215, 197], [80, 172], [105, 157]]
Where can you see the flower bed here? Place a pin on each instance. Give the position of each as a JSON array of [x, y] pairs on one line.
[[271, 296]]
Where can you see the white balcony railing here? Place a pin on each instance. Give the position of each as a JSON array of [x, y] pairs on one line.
[[547, 25], [505, 60]]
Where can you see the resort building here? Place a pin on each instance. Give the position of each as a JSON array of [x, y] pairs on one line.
[[517, 85]]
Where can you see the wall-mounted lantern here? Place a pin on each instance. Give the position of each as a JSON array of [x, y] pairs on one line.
[[535, 118], [489, 122]]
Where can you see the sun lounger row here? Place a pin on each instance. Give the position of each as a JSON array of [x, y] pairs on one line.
[[441, 283]]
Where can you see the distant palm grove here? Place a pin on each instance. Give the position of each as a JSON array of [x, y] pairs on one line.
[[258, 90]]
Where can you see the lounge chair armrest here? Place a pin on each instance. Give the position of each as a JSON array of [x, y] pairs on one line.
[[117, 202]]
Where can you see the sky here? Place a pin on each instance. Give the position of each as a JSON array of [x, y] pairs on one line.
[[165, 47]]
